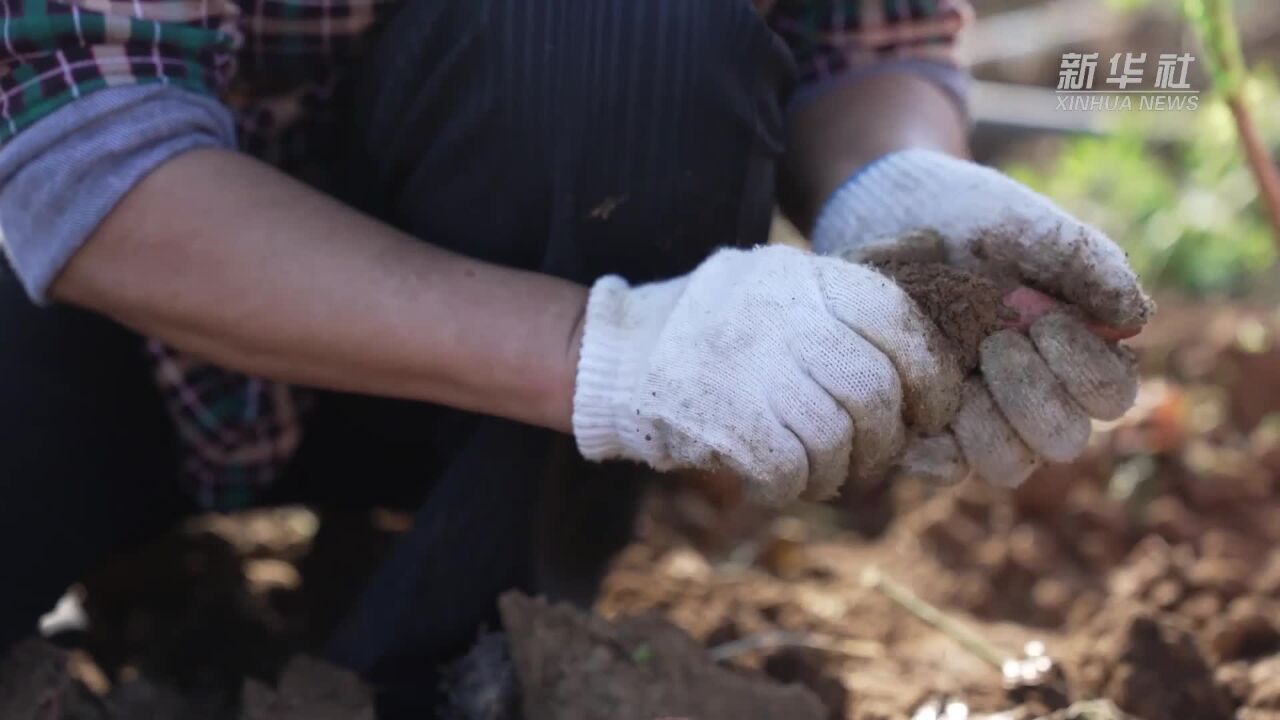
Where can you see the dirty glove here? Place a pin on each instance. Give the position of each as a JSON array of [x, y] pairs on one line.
[[988, 222], [1036, 394], [1032, 401], [792, 370]]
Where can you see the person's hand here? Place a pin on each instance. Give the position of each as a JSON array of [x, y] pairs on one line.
[[1035, 394], [987, 222], [1032, 401], [792, 370]]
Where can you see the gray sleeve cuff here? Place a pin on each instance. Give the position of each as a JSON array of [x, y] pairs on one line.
[[953, 80], [63, 175]]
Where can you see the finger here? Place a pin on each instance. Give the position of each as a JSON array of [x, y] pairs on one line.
[[888, 319], [987, 441], [1102, 378], [1069, 260], [868, 390], [771, 461], [1031, 398], [936, 459], [825, 430], [1030, 305]]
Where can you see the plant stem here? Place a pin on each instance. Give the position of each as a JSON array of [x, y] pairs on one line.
[[1216, 28], [1259, 157], [935, 618]]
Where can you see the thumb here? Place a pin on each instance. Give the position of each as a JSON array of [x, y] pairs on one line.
[[1029, 305], [1072, 261]]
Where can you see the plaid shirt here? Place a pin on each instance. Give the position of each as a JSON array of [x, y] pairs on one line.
[[274, 63]]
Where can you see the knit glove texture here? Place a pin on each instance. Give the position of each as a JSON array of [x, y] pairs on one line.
[[1036, 391], [794, 371]]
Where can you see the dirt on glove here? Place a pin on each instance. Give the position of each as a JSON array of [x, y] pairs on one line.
[[965, 307]]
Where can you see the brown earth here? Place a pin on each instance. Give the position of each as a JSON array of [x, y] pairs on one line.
[[574, 666], [965, 307], [1149, 570]]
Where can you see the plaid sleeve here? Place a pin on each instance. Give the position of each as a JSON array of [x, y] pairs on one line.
[[55, 52], [830, 38]]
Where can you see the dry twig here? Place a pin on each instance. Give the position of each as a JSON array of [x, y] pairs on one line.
[[965, 637], [864, 649]]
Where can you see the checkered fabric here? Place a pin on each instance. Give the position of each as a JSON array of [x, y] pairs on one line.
[[837, 36]]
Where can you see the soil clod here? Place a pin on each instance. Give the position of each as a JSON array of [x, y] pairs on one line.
[[965, 307], [562, 657]]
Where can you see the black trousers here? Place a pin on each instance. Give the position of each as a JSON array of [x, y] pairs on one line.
[[574, 137]]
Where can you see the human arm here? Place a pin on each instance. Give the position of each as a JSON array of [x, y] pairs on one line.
[[112, 121], [841, 131], [872, 80], [228, 259], [213, 303], [793, 370], [217, 332]]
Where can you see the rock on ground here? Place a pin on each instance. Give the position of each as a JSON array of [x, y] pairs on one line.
[[574, 666]]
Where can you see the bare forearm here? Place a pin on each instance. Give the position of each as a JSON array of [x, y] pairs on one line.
[[833, 136], [230, 260]]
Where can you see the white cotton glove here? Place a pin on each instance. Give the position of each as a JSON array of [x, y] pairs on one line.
[[1032, 402], [987, 221], [1037, 394], [792, 370]]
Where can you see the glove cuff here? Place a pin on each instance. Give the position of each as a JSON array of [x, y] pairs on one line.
[[884, 195], [621, 327], [599, 381]]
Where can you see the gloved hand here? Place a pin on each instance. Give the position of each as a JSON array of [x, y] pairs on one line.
[[1032, 401], [988, 222], [792, 370], [1036, 395]]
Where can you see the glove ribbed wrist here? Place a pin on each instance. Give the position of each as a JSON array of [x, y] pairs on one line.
[[621, 325], [886, 196], [598, 383]]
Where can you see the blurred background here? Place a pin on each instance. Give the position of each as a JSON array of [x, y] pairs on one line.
[[1171, 187]]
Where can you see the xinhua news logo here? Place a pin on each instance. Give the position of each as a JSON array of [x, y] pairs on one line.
[[1124, 83]]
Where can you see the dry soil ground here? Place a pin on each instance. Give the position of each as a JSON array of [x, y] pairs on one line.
[[1146, 575]]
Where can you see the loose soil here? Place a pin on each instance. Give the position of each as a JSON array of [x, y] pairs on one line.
[[965, 307]]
